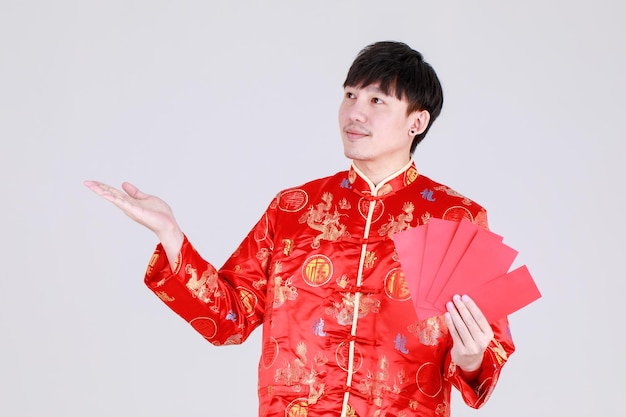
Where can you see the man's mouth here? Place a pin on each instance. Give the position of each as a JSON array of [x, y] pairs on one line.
[[355, 132]]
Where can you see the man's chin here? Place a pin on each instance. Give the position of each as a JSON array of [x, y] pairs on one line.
[[352, 154]]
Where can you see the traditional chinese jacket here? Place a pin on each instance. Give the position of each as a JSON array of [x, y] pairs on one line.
[[320, 273]]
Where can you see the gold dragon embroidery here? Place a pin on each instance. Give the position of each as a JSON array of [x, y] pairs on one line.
[[376, 383], [499, 352], [205, 287], [296, 375], [344, 312], [283, 289], [453, 193], [289, 246], [429, 331], [402, 222], [164, 296], [321, 219]]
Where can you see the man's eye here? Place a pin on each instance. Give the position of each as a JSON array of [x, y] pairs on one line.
[[376, 100], [349, 95]]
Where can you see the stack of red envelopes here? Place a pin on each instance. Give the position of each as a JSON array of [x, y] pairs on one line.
[[444, 258]]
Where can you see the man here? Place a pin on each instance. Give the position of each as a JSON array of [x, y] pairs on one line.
[[320, 273]]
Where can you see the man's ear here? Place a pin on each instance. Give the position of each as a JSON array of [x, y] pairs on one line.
[[421, 118]]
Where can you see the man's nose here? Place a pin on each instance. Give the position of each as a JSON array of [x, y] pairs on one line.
[[358, 112]]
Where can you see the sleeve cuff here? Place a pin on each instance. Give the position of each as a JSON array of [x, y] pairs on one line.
[[159, 270], [476, 391]]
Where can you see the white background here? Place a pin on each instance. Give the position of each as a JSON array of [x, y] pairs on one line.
[[215, 106]]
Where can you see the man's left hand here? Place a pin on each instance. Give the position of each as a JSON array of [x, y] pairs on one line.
[[470, 331]]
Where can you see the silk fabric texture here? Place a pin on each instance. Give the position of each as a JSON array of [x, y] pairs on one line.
[[320, 274]]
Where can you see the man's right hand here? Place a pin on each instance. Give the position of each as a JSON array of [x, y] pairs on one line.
[[147, 210]]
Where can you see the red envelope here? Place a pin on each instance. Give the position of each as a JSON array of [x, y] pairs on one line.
[[410, 247], [454, 252], [438, 238], [485, 258], [505, 294], [443, 258]]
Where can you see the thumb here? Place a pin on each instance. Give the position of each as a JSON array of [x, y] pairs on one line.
[[133, 191]]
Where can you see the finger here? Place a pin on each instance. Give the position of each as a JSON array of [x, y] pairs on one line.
[[470, 330], [463, 311], [92, 185], [459, 324], [454, 333], [479, 329], [119, 198], [476, 313], [100, 188], [133, 191]]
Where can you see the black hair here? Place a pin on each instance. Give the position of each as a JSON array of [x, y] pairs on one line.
[[401, 71]]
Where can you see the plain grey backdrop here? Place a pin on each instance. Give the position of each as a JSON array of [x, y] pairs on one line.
[[216, 106]]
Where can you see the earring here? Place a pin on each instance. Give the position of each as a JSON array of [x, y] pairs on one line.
[[412, 132]]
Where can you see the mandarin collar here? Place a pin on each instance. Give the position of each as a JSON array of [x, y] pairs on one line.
[[396, 181]]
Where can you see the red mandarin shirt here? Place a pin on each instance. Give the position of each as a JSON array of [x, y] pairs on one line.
[[320, 274]]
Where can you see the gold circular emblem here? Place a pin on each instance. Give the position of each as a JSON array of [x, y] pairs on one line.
[[457, 213], [205, 326], [269, 353], [248, 300], [385, 189], [317, 270], [297, 408], [481, 219], [342, 356], [352, 176], [364, 206], [396, 286], [292, 200], [410, 175], [428, 379]]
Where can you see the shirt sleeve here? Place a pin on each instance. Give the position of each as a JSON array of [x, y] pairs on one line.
[[478, 391], [223, 305]]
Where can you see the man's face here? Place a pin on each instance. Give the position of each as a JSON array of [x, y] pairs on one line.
[[375, 129]]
